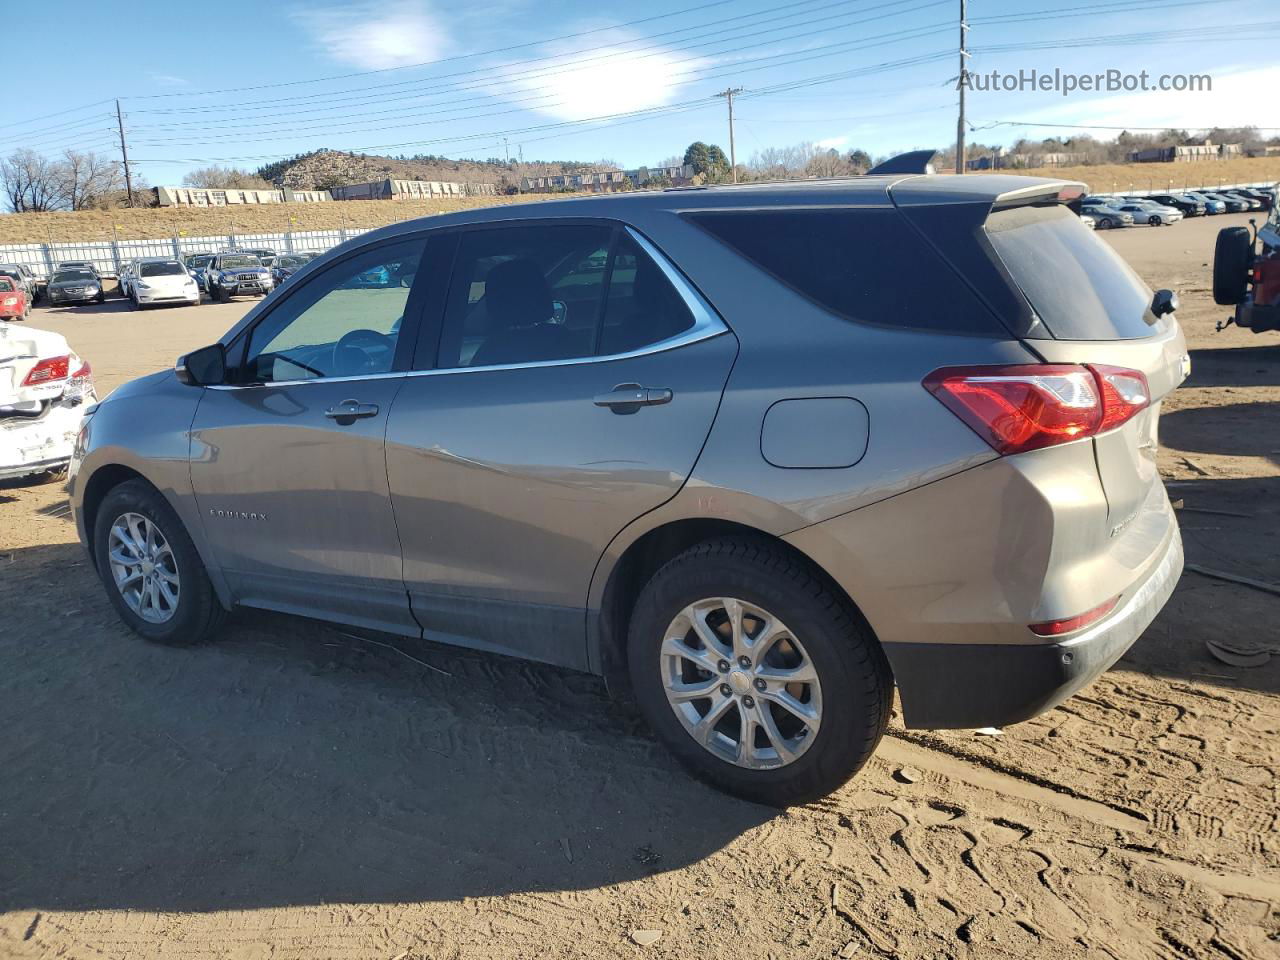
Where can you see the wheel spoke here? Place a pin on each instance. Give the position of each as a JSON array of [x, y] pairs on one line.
[[738, 642], [129, 577], [802, 711], [698, 690], [697, 615], [747, 723], [164, 590], [705, 727], [776, 739], [123, 559], [705, 659], [803, 673]]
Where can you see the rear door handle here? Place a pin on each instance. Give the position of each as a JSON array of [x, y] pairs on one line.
[[348, 411], [630, 397]]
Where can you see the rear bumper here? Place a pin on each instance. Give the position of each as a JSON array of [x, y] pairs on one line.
[[947, 685], [1258, 317]]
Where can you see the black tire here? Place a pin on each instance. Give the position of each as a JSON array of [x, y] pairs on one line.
[[1154, 220], [856, 683], [1104, 223], [198, 614], [133, 303], [1232, 258], [100, 298], [223, 296]]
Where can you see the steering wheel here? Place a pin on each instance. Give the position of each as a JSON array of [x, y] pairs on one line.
[[352, 355]]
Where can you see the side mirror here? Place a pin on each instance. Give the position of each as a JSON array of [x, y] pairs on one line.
[[1165, 301], [203, 367]]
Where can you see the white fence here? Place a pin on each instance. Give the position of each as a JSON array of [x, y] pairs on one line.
[[110, 255]]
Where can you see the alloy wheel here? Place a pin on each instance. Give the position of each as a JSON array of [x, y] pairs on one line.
[[741, 683], [144, 568]]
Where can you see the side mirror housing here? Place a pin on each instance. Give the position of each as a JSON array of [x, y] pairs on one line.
[[203, 367], [1165, 301]]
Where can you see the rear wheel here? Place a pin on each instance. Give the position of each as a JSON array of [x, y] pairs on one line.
[[1232, 257], [756, 675], [1105, 223], [152, 573]]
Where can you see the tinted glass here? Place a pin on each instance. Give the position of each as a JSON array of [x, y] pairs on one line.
[[868, 265], [67, 275], [345, 322], [161, 270], [1079, 286], [6, 285], [525, 294], [643, 307]]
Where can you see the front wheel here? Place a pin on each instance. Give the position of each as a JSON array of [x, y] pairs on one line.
[[1153, 220], [756, 674], [1104, 223], [153, 575]]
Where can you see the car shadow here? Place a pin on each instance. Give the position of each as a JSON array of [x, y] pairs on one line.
[[296, 763], [1249, 429], [1253, 366]]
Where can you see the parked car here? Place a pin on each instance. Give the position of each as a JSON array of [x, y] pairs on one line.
[[1267, 199], [161, 282], [44, 391], [236, 275], [265, 255], [1149, 212], [23, 276], [287, 264], [196, 264], [75, 286], [1252, 202], [1212, 205], [1233, 204], [77, 265], [1105, 214], [1089, 221], [580, 435], [1189, 206], [1246, 274], [14, 304], [129, 274]]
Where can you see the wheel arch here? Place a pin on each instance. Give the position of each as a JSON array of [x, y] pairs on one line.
[[608, 622]]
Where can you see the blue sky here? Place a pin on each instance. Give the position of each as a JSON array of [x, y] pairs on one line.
[[577, 80]]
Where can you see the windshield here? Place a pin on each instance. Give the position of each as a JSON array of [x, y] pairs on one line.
[[67, 276], [162, 269], [1079, 286], [6, 285], [289, 261], [229, 263]]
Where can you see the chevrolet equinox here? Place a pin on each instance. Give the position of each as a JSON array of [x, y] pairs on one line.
[[755, 454]]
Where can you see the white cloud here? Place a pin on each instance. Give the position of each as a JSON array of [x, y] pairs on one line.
[[831, 143], [167, 80], [374, 36], [615, 80], [1238, 98]]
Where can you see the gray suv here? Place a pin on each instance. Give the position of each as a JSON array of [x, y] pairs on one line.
[[755, 454]]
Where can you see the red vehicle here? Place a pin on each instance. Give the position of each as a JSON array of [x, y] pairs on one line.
[[1246, 274], [13, 300]]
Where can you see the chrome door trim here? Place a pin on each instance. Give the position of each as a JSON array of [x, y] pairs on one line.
[[706, 324]]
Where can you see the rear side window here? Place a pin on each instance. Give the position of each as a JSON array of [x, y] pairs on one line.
[[1078, 285], [868, 265]]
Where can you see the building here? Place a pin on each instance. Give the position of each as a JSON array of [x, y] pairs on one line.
[[999, 160], [606, 181], [1187, 152], [411, 189]]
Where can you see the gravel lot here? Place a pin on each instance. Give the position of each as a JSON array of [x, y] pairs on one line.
[[291, 791]]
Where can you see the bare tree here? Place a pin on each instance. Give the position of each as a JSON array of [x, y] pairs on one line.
[[222, 178], [31, 183], [826, 163], [86, 179]]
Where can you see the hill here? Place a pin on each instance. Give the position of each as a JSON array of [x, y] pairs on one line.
[[322, 169], [1122, 177]]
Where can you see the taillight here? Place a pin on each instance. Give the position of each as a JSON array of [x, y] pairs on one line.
[[1026, 407], [1055, 628], [46, 371]]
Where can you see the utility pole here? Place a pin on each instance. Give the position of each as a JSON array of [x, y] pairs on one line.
[[506, 150], [733, 157], [964, 82], [124, 153]]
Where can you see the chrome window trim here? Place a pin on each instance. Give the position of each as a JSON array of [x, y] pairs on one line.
[[706, 324]]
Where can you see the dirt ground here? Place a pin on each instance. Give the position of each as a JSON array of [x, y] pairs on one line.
[[291, 792]]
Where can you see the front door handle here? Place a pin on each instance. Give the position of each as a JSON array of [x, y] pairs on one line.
[[349, 411], [630, 397]]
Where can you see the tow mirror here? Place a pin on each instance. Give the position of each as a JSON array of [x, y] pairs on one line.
[[203, 367], [1165, 301]]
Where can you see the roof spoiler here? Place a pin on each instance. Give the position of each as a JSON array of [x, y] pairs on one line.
[[917, 161]]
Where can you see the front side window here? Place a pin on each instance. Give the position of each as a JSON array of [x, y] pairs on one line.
[[344, 322], [539, 293]]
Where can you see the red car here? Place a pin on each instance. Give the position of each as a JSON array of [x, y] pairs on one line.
[[13, 300]]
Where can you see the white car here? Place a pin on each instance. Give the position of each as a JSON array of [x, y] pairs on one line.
[[1150, 212], [44, 390], [159, 282]]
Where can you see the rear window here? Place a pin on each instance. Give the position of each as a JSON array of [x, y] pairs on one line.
[[1080, 288], [867, 265]]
